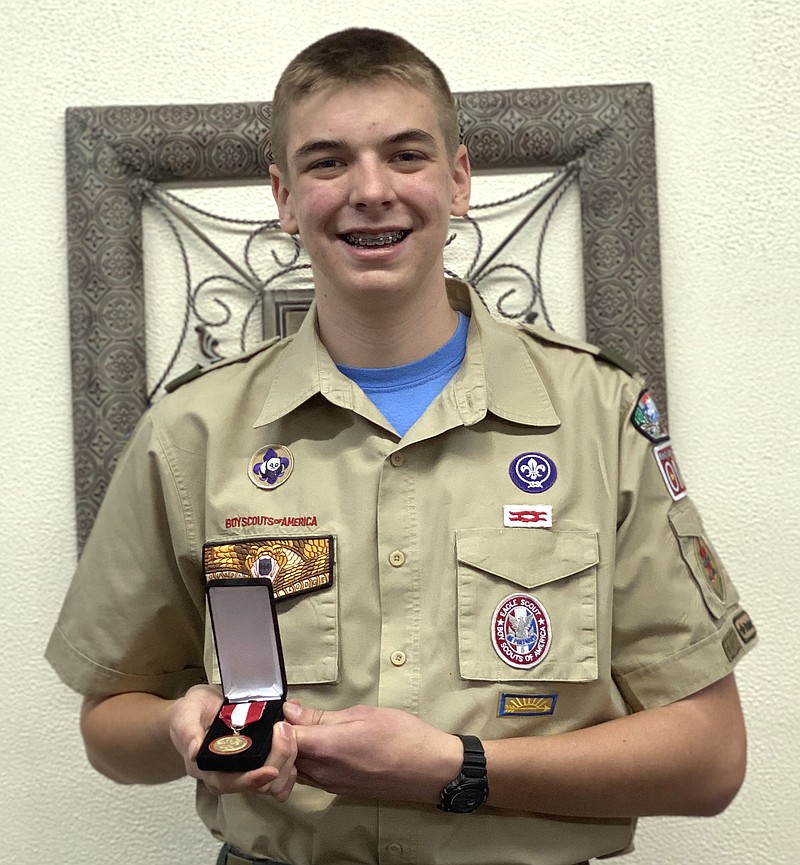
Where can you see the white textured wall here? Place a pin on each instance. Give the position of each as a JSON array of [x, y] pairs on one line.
[[727, 86]]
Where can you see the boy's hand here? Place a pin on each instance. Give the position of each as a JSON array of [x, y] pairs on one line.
[[190, 718], [373, 752]]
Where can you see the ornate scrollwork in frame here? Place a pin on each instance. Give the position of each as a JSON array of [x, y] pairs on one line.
[[117, 155]]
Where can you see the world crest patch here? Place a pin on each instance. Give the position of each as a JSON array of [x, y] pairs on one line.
[[533, 472]]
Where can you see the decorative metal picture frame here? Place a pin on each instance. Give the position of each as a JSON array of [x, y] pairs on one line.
[[601, 136]]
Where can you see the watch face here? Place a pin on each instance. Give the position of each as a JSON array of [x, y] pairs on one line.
[[470, 796], [471, 788]]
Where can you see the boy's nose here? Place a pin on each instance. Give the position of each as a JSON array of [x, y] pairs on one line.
[[371, 185]]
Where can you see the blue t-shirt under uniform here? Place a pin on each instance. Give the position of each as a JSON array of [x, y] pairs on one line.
[[402, 393]]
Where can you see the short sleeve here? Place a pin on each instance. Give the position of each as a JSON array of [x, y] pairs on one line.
[[133, 617], [677, 623]]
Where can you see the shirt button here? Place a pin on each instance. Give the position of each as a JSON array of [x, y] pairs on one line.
[[394, 849], [396, 558], [397, 459], [398, 658]]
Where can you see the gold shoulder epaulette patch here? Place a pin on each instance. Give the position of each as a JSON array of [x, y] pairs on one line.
[[618, 360], [201, 369], [554, 338], [607, 354]]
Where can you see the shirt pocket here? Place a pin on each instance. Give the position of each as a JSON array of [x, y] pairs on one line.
[[700, 557], [558, 569], [309, 627]]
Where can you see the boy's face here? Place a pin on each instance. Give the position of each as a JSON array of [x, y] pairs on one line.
[[370, 188]]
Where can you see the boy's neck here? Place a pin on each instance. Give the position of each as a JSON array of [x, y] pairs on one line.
[[386, 335]]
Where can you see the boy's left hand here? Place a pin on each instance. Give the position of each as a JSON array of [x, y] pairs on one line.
[[373, 752]]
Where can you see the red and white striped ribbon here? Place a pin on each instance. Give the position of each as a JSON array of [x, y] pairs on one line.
[[239, 715]]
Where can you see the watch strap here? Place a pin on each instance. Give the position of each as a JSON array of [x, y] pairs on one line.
[[474, 765], [470, 788]]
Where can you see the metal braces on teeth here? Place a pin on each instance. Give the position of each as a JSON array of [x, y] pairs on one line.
[[384, 239]]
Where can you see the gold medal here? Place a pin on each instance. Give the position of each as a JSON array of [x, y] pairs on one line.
[[230, 744], [236, 716]]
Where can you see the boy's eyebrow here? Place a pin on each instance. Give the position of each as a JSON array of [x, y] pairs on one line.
[[317, 145], [412, 136], [325, 145]]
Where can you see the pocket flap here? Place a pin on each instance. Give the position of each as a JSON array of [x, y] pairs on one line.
[[527, 557], [701, 559], [685, 519]]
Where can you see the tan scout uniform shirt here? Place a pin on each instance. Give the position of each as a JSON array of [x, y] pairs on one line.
[[422, 562]]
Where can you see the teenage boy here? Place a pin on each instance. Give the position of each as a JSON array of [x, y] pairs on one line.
[[526, 620]]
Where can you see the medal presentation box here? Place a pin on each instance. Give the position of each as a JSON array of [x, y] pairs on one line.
[[251, 667]]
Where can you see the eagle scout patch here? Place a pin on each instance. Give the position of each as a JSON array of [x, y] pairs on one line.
[[294, 565], [533, 472], [270, 467], [647, 419], [521, 632], [709, 567], [527, 516], [668, 467], [526, 704]]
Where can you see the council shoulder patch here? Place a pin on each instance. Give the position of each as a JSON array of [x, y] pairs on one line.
[[521, 633], [647, 419], [294, 565]]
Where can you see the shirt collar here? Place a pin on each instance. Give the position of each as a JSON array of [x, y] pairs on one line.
[[484, 381], [304, 370], [482, 384]]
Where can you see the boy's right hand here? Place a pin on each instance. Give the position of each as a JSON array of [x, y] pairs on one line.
[[190, 718]]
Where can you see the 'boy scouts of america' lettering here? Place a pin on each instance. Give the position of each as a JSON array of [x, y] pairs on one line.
[[262, 520]]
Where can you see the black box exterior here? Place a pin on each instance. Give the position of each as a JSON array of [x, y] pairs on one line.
[[250, 659]]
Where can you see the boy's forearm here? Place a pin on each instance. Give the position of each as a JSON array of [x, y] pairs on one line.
[[685, 758], [127, 738]]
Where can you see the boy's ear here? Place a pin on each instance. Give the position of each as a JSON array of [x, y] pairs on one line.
[[462, 182], [283, 198]]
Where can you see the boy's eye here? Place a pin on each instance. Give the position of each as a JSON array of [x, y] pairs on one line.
[[409, 156], [326, 164]]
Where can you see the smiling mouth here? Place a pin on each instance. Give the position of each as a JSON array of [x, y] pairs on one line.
[[371, 241]]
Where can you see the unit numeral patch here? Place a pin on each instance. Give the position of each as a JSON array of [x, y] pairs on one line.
[[668, 467]]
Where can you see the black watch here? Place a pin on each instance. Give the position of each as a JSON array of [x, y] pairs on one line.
[[471, 788]]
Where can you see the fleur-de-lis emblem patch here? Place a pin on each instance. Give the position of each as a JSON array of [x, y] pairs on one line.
[[270, 467], [533, 472]]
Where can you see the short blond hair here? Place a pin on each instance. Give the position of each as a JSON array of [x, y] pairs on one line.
[[359, 55]]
